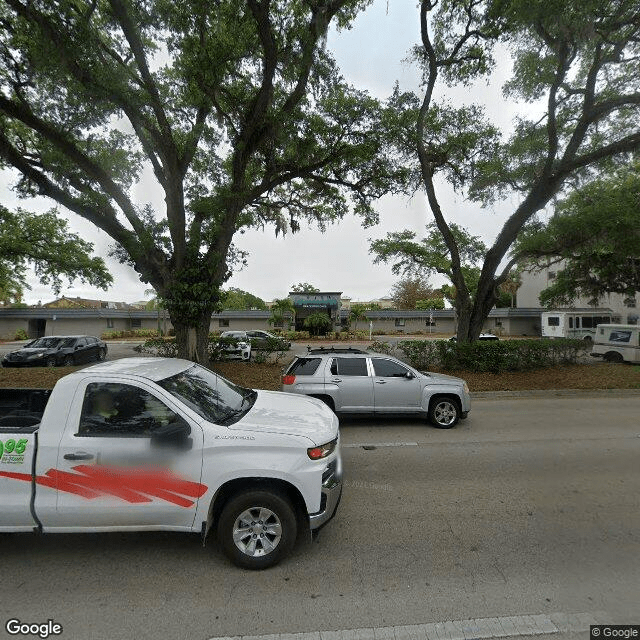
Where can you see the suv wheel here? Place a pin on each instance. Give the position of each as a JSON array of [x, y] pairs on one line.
[[50, 362], [68, 361], [257, 529], [102, 354], [444, 413]]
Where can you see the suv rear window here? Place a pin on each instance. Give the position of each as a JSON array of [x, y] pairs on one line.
[[304, 366]]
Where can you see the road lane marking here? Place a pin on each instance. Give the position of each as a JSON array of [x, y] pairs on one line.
[[471, 629], [357, 445]]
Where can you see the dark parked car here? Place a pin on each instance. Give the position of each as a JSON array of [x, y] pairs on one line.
[[52, 351]]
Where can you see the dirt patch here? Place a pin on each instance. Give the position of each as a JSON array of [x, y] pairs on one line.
[[267, 376]]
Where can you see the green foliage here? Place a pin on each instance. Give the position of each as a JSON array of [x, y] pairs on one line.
[[491, 356], [578, 61], [318, 323], [425, 257], [304, 287], [237, 299], [282, 310], [357, 312], [237, 109], [44, 242], [21, 334], [130, 333], [430, 303], [594, 236]]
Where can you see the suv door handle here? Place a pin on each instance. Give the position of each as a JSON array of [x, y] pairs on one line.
[[79, 455], [336, 379], [381, 382]]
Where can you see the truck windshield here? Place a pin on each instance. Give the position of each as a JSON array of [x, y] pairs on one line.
[[211, 396]]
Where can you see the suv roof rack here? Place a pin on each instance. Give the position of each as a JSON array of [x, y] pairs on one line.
[[317, 350]]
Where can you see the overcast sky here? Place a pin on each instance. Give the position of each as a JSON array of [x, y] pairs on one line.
[[371, 56]]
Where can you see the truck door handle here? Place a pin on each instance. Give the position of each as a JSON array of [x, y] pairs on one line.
[[79, 455], [336, 379], [381, 382]]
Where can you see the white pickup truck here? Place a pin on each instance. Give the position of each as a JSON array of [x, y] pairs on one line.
[[145, 444]]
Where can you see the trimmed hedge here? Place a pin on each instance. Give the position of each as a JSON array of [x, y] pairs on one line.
[[132, 333], [487, 356]]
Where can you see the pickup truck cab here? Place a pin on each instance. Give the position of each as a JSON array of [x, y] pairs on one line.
[[145, 444]]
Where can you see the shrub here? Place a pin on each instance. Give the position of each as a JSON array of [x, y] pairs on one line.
[[130, 333], [21, 334], [162, 347], [380, 346], [318, 323], [491, 356]]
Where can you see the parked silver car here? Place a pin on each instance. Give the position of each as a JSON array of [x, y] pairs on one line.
[[356, 381]]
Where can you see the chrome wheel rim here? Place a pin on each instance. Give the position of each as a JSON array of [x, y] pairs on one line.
[[257, 531], [445, 413]]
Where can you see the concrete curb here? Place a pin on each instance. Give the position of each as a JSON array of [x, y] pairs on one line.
[[546, 393]]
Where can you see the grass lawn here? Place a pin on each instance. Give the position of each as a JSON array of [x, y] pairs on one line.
[[267, 376]]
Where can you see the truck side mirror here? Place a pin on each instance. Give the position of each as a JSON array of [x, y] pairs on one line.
[[173, 435]]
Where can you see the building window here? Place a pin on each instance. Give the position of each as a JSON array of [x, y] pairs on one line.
[[109, 323], [223, 323], [136, 323], [498, 323], [551, 275], [553, 321], [630, 302], [399, 322], [430, 323]]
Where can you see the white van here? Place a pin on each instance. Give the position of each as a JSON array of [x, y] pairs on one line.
[[617, 343], [572, 324]]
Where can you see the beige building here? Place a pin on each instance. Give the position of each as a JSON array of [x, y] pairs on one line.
[[626, 309]]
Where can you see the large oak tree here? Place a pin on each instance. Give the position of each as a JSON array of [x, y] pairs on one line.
[[577, 62], [235, 105]]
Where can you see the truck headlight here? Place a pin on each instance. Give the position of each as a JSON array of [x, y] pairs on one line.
[[465, 386], [323, 450]]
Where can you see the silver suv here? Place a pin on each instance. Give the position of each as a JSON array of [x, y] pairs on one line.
[[355, 381]]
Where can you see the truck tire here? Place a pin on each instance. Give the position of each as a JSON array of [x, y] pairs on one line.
[[613, 356], [256, 529], [444, 412]]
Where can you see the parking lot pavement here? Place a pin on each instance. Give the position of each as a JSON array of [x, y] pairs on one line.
[[530, 507]]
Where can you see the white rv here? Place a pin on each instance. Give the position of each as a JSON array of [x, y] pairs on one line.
[[617, 343], [572, 324]]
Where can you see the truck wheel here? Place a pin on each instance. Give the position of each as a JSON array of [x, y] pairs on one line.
[[257, 529], [444, 413], [613, 356]]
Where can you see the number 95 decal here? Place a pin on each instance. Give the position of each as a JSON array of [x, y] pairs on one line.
[[12, 451]]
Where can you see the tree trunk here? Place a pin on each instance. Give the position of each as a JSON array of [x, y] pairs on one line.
[[192, 337]]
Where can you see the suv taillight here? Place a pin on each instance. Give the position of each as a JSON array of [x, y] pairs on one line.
[[288, 379]]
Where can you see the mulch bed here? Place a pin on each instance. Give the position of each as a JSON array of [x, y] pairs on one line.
[[267, 376]]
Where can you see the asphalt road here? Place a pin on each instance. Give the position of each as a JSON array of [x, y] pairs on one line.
[[529, 506]]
